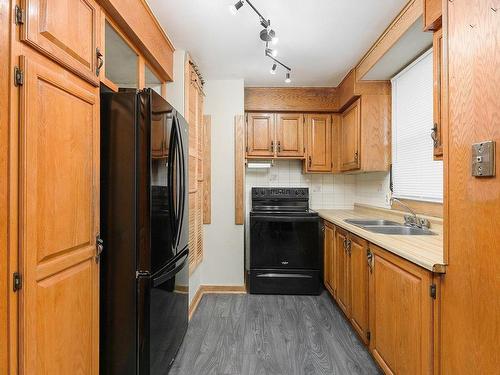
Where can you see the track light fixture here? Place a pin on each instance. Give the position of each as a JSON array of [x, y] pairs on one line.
[[236, 7], [267, 35]]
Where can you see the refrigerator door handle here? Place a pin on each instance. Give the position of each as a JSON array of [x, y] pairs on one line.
[[182, 182], [170, 177], [160, 279]]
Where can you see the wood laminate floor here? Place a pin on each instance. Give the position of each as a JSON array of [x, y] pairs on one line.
[[244, 334]]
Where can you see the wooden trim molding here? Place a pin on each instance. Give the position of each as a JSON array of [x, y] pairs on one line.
[[239, 170], [291, 99], [213, 289], [404, 20], [207, 170]]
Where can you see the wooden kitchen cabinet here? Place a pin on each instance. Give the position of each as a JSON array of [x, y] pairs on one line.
[[400, 309], [260, 134], [365, 135], [329, 271], [342, 271], [65, 31], [318, 143], [290, 135], [432, 11], [437, 93], [59, 191], [358, 284], [350, 129]]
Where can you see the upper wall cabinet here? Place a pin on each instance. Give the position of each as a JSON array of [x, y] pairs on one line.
[[290, 135], [350, 127], [65, 31], [260, 134], [365, 135], [318, 143]]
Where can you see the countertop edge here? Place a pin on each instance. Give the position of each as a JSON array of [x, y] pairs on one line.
[[433, 267]]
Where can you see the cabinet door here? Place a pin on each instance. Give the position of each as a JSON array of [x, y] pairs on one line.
[[290, 135], [260, 134], [328, 262], [359, 285], [400, 315], [432, 14], [65, 31], [343, 270], [59, 218], [438, 61], [350, 129], [319, 143]]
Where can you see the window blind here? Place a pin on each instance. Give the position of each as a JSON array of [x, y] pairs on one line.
[[415, 173]]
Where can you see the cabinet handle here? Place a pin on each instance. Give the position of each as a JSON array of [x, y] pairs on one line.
[[272, 146], [356, 156], [434, 135], [310, 162], [349, 247], [369, 257], [279, 146], [100, 61]]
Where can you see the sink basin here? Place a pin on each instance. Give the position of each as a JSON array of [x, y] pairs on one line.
[[388, 227], [398, 230], [363, 223]]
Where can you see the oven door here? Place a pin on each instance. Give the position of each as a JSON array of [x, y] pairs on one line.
[[283, 241]]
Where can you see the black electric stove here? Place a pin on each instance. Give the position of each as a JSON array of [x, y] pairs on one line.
[[285, 242]]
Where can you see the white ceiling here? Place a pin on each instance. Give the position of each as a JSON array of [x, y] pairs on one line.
[[319, 39]]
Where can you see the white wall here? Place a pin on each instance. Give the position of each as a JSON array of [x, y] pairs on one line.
[[223, 240], [175, 89]]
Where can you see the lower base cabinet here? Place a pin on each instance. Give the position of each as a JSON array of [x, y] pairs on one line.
[[401, 309], [387, 299]]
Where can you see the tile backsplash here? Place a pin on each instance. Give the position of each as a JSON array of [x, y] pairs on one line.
[[325, 190]]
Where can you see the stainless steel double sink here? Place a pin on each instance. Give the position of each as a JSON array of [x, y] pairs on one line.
[[389, 227]]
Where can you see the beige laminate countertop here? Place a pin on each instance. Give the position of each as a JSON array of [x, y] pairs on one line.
[[423, 250]]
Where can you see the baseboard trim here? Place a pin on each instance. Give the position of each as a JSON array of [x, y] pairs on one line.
[[213, 289]]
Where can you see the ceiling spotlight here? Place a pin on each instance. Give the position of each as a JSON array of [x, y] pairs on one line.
[[267, 35], [234, 8], [273, 69], [271, 52], [287, 79]]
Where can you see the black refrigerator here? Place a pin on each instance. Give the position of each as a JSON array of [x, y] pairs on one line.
[[144, 279]]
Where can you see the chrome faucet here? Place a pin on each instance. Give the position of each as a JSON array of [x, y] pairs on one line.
[[412, 220]]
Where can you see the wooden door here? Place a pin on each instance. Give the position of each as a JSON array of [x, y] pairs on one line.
[[350, 137], [59, 220], [158, 139], [400, 315], [290, 135], [342, 271], [437, 51], [260, 134], [470, 304], [328, 262], [319, 143], [65, 31], [359, 285]]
